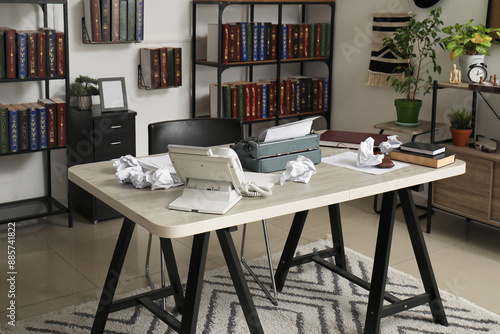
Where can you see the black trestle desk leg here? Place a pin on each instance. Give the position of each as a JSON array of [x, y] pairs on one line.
[[194, 283], [239, 281], [115, 267], [289, 250], [422, 256], [380, 263], [173, 273], [337, 236]]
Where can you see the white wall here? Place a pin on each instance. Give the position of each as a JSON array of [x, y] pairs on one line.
[[355, 105]]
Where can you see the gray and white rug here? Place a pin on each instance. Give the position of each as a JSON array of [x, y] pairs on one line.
[[313, 301]]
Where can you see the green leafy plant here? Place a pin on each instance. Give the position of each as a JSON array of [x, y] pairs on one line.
[[416, 44], [468, 39], [461, 119], [84, 86]]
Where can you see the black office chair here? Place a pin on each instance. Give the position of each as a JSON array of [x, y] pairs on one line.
[[200, 132]]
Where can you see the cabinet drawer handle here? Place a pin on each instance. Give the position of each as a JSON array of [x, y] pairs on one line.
[[115, 143], [115, 126]]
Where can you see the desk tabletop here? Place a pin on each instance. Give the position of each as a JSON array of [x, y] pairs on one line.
[[330, 185]]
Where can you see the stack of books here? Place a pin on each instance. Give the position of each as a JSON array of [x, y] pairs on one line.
[[161, 67], [431, 155]]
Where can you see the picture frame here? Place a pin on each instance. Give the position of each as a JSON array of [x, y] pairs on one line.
[[113, 94], [493, 16]]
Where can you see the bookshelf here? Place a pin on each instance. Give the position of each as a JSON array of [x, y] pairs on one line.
[[45, 205], [277, 63]]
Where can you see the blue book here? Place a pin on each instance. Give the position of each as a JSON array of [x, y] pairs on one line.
[[244, 42], [262, 41], [33, 126], [326, 92], [139, 21], [255, 45], [42, 125], [264, 101], [22, 55], [284, 39], [13, 129]]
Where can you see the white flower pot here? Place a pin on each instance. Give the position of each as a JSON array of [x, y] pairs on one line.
[[466, 61]]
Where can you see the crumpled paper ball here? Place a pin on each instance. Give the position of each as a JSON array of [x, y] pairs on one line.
[[365, 154], [299, 170]]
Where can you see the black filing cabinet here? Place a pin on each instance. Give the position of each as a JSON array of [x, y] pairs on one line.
[[95, 136]]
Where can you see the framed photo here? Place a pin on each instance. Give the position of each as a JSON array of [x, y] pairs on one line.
[[113, 94], [493, 16]]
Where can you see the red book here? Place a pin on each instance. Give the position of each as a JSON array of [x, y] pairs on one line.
[[281, 106], [271, 102], [225, 43], [248, 108], [289, 47], [293, 97], [61, 121], [348, 138], [232, 43], [178, 66], [317, 38], [163, 67], [237, 42], [10, 53], [155, 67], [41, 54], [315, 95], [234, 101], [60, 54], [320, 94], [258, 101], [301, 41], [51, 109], [288, 96], [96, 20], [31, 39], [306, 40], [253, 102], [274, 41]]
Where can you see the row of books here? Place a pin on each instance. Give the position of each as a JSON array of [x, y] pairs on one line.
[[161, 67], [32, 53], [32, 126], [267, 99], [258, 41], [114, 20]]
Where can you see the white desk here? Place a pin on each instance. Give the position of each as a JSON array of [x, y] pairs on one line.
[[329, 187]]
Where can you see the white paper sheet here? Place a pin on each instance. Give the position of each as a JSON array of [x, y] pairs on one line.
[[348, 160], [288, 130]]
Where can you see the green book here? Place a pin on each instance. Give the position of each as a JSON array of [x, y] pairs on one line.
[[123, 20], [312, 32], [328, 39], [322, 52], [131, 20], [226, 101], [4, 129]]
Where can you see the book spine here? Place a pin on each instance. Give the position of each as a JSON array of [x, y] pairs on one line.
[[234, 102], [178, 66], [271, 100], [225, 43], [315, 95], [284, 41], [323, 40], [298, 92], [326, 94], [115, 20], [274, 41], [2, 54], [24, 129], [287, 94], [262, 41], [41, 58], [32, 71], [255, 44], [42, 126], [264, 103], [4, 130], [244, 41], [131, 20], [60, 54], [289, 41], [249, 46], [155, 70], [328, 42], [163, 67], [301, 43], [10, 58], [282, 98], [139, 21], [33, 125], [267, 49], [317, 40], [105, 20], [22, 55], [295, 40], [312, 28], [50, 48], [321, 91], [61, 123], [123, 20], [170, 67], [51, 123], [241, 102], [252, 101], [306, 41], [96, 20], [258, 101], [226, 101], [232, 43], [13, 130], [237, 42], [293, 97]]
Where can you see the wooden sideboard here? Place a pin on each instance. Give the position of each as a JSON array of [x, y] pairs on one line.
[[475, 194]]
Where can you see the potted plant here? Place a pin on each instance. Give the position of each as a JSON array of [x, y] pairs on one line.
[[461, 122], [469, 42], [416, 45], [83, 88]]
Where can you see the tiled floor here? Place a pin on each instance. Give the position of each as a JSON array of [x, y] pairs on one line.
[[58, 266]]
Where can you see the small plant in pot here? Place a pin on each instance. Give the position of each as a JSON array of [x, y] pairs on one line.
[[416, 45], [83, 88], [469, 42], [461, 122]]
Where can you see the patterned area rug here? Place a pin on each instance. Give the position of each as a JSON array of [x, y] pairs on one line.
[[313, 301]]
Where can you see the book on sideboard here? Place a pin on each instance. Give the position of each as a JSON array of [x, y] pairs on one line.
[[436, 161], [424, 148]]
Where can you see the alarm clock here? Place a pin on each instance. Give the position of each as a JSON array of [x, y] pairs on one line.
[[476, 71]]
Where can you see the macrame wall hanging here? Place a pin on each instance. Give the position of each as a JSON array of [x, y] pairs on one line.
[[383, 62]]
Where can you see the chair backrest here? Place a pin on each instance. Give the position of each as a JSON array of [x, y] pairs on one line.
[[195, 132]]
